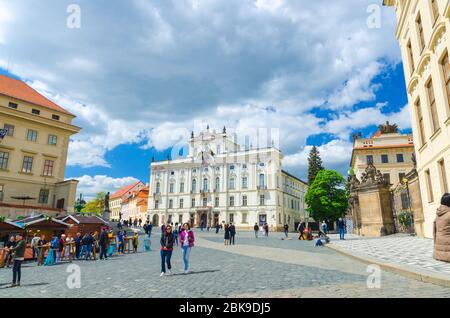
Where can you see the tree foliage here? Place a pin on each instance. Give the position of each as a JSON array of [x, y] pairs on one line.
[[314, 164], [96, 206], [327, 198]]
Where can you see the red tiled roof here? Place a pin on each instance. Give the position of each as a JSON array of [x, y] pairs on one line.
[[17, 89], [122, 191]]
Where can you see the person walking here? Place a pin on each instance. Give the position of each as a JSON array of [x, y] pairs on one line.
[[8, 255], [266, 229], [167, 241], [232, 233], [217, 228], [187, 240], [341, 227], [135, 241], [441, 230], [286, 230], [140, 222], [120, 242], [42, 242], [324, 227], [19, 256], [60, 250], [256, 229], [34, 245], [227, 235], [150, 228], [301, 229], [103, 242], [175, 233], [78, 244]]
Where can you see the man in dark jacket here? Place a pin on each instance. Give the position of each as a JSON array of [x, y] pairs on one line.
[[77, 242], [19, 256], [286, 229], [256, 229], [103, 242], [232, 233]]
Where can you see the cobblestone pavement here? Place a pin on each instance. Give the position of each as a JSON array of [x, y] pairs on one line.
[[412, 251], [285, 268]]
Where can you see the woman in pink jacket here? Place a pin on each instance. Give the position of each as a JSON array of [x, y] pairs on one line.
[[187, 242]]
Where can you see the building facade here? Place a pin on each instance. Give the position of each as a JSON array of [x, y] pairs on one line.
[[422, 32], [218, 182], [33, 153], [135, 206], [389, 151], [117, 199]]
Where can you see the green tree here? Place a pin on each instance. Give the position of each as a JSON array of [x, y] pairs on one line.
[[327, 197], [96, 206], [314, 164]]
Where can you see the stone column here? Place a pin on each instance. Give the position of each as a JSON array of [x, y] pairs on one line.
[[416, 201]]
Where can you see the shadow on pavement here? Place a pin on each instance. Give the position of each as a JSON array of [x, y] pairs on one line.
[[199, 272]]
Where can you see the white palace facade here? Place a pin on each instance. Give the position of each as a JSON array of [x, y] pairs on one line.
[[218, 182]]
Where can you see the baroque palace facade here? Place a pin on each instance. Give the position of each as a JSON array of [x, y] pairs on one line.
[[33, 153], [218, 182], [422, 31]]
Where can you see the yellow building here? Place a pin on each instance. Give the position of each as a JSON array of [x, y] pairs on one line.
[[33, 153], [118, 198], [389, 151], [422, 32]]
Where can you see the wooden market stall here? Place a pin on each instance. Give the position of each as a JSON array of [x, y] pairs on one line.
[[7, 228], [84, 224]]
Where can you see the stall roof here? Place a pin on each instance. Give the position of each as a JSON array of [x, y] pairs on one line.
[[38, 219], [84, 219], [9, 226]]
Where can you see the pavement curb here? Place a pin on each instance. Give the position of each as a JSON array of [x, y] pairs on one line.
[[405, 270]]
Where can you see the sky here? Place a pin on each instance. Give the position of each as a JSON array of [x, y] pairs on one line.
[[141, 75]]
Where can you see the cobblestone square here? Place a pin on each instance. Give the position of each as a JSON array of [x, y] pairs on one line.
[[263, 267]]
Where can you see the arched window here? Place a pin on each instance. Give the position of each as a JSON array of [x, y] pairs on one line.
[[217, 184], [261, 180], [194, 185], [205, 184], [158, 187]]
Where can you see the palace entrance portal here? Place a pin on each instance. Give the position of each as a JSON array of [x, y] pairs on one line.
[[203, 217]]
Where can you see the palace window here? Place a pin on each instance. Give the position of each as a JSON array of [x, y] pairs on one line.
[[156, 204], [205, 185], [232, 167], [217, 184], [262, 200], [244, 183], [420, 122], [4, 157], [433, 110], [193, 203], [232, 201], [400, 158], [52, 140], [369, 159], [387, 177], [48, 168], [445, 65], [232, 184], [216, 201], [205, 202], [55, 117], [443, 173], [384, 158], [171, 187], [158, 187], [410, 57], [194, 185], [182, 187], [429, 186], [171, 204], [435, 9], [12, 105], [262, 180], [420, 33], [244, 218], [27, 164], [32, 135], [181, 203], [43, 196], [9, 130], [35, 111], [244, 200]]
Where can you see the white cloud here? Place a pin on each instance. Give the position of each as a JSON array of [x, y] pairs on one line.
[[263, 63], [89, 186]]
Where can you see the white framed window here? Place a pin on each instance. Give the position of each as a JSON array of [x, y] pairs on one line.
[[32, 135], [232, 183], [52, 140]]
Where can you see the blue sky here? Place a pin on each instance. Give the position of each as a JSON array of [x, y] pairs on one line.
[[140, 75]]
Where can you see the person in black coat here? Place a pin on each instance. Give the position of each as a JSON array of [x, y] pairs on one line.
[[232, 233], [103, 242], [78, 244], [167, 241]]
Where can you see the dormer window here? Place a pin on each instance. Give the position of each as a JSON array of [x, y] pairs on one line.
[[55, 117], [35, 111]]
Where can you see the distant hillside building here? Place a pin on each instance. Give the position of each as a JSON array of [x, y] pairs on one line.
[[33, 153], [118, 197]]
